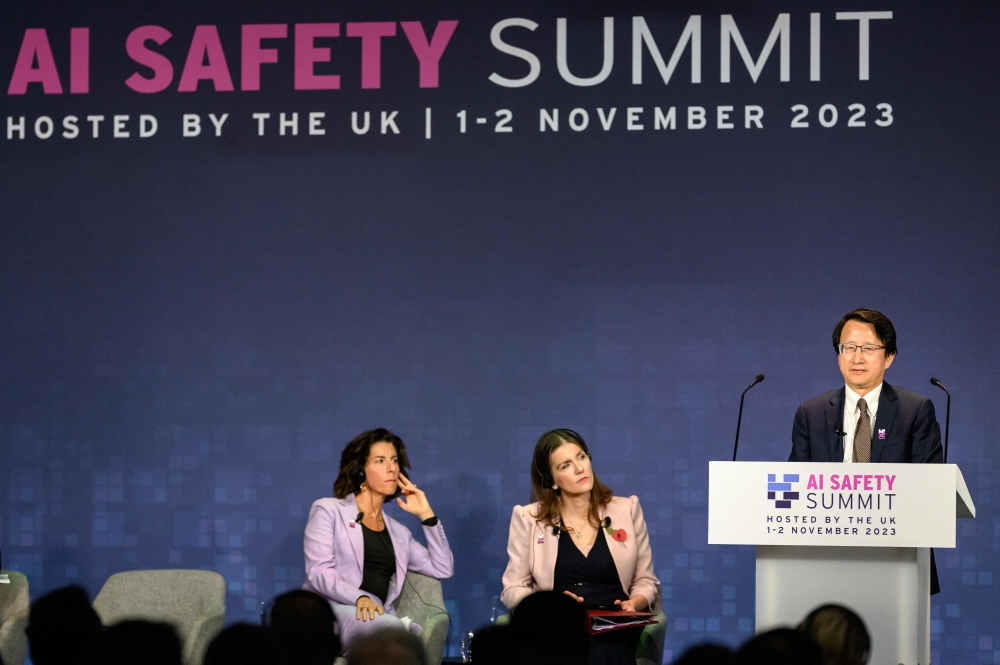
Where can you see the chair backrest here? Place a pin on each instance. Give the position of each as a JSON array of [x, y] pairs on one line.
[[14, 597], [179, 597], [421, 598]]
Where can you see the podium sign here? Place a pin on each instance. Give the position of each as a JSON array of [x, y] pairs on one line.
[[829, 504], [854, 534]]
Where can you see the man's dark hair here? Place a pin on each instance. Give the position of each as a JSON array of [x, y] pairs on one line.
[[136, 641], [781, 646], [61, 626], [840, 633], [707, 654], [394, 646], [305, 627], [244, 644], [883, 328]]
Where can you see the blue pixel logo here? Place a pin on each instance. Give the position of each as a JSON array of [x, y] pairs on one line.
[[784, 488]]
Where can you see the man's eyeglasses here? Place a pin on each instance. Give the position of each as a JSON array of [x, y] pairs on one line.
[[867, 350]]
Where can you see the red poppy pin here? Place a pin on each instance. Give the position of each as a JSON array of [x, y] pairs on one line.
[[618, 535]]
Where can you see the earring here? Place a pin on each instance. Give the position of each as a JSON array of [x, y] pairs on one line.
[[555, 487]]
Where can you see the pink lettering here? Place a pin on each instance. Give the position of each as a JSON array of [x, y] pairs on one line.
[[163, 70], [307, 54], [35, 46], [371, 35], [205, 43], [253, 56], [811, 485], [868, 482], [857, 481], [846, 484], [79, 61], [835, 482], [890, 480], [878, 482], [430, 54]]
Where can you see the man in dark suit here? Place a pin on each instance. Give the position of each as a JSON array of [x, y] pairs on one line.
[[867, 420]]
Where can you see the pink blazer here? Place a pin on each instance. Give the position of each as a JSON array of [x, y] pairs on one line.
[[335, 552], [533, 549]]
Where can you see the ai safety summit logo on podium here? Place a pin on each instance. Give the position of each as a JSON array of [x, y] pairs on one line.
[[784, 488], [829, 503]]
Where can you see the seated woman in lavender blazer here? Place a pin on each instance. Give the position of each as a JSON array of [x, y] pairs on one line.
[[579, 539], [356, 556]]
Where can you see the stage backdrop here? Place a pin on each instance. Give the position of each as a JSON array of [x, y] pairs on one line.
[[234, 235]]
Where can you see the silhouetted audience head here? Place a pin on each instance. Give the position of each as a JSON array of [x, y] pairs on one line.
[[707, 654], [61, 626], [503, 645], [305, 628], [556, 622], [781, 646], [388, 647], [131, 642], [840, 633], [244, 644]]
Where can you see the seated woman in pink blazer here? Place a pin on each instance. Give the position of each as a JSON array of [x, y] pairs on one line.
[[579, 539], [356, 556]]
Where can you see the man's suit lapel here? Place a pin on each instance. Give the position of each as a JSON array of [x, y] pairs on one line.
[[835, 414], [887, 407], [349, 513]]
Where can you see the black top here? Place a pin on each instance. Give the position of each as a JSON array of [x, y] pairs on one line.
[[380, 562], [593, 577]]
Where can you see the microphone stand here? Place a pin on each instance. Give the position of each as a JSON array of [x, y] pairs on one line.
[[947, 415], [739, 419]]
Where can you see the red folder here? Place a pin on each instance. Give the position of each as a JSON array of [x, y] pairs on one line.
[[606, 621]]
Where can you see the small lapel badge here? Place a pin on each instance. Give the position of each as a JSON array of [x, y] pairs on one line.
[[541, 540], [881, 434], [352, 524]]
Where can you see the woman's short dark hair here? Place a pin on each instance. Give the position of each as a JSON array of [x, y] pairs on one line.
[[840, 633], [355, 457], [883, 328]]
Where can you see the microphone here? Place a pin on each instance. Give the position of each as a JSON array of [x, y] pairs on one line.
[[739, 420], [838, 429], [360, 517], [947, 416]]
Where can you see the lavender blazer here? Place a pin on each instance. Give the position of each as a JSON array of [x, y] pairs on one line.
[[533, 550], [335, 552]]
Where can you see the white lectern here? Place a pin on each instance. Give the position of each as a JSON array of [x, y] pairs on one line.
[[854, 534]]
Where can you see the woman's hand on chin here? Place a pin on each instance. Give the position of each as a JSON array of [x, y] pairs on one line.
[[413, 501]]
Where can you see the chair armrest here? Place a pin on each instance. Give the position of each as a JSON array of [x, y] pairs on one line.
[[434, 634], [13, 641], [205, 628]]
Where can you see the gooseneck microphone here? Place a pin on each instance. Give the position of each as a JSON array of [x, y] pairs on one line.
[[739, 420], [947, 415]]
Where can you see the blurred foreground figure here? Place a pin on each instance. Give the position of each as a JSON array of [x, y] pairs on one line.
[[134, 642], [781, 646], [62, 626], [305, 628], [707, 654], [394, 646], [244, 644], [840, 633]]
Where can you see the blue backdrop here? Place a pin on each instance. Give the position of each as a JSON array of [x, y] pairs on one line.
[[193, 326]]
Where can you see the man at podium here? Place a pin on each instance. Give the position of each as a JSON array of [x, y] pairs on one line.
[[867, 420]]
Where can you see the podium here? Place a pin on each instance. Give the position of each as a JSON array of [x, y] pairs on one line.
[[857, 535]]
